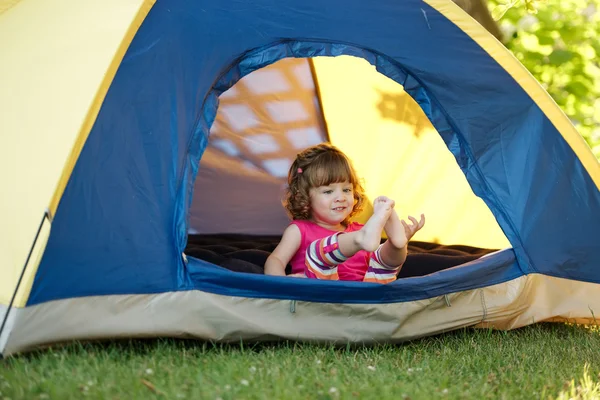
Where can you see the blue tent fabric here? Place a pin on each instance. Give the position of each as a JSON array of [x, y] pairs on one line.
[[125, 206], [486, 271]]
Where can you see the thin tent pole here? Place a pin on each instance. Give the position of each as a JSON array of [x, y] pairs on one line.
[[318, 92], [45, 217]]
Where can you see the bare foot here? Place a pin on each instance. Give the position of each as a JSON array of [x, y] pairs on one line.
[[370, 234], [395, 231]]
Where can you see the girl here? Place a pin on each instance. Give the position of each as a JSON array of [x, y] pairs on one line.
[[323, 194]]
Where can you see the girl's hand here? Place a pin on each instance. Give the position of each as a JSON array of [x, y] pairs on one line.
[[414, 227]]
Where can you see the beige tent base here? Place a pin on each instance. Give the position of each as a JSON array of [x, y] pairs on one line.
[[201, 315]]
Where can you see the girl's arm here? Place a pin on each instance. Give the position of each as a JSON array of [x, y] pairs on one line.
[[283, 253]]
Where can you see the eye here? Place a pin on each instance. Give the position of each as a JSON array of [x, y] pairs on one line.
[[348, 190], [328, 191]]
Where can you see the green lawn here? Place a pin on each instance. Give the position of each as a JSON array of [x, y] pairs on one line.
[[537, 362]]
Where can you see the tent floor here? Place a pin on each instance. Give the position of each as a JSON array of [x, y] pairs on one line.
[[248, 253]]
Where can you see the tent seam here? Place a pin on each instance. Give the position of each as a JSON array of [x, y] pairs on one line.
[[484, 305]]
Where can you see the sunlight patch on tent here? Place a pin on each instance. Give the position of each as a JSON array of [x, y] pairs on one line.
[[230, 93], [267, 81], [239, 116], [278, 166], [302, 138], [249, 166], [226, 146], [261, 143], [286, 111]]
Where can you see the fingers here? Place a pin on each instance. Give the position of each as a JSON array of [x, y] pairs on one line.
[[413, 220], [419, 224], [414, 226]]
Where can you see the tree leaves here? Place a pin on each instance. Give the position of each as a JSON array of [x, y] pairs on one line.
[[560, 47], [559, 57]]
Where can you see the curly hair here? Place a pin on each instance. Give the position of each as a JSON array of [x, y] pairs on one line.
[[320, 165]]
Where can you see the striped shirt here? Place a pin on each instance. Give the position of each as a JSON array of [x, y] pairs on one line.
[[353, 269]]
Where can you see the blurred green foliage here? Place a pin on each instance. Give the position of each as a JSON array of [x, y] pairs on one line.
[[558, 41]]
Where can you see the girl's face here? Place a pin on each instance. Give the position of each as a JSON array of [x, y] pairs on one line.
[[330, 205]]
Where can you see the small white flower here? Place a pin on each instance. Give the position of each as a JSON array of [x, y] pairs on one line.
[[318, 361], [508, 29], [90, 383], [244, 382], [410, 370], [149, 371], [371, 368], [227, 387], [333, 390], [445, 391], [182, 396], [418, 369], [253, 369]]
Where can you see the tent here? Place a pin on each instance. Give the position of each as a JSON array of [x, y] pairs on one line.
[[107, 108]]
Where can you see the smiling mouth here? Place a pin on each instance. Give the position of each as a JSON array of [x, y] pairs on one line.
[[339, 209]]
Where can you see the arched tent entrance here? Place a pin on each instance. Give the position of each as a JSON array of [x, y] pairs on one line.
[[271, 114], [112, 265]]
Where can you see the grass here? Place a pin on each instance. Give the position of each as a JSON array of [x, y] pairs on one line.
[[538, 362]]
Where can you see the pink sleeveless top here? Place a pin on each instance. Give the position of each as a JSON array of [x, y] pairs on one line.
[[353, 269]]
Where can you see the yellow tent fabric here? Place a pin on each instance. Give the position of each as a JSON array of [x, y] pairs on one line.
[[58, 60], [398, 153]]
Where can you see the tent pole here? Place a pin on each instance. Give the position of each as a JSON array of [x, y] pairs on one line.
[[318, 92], [14, 296]]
